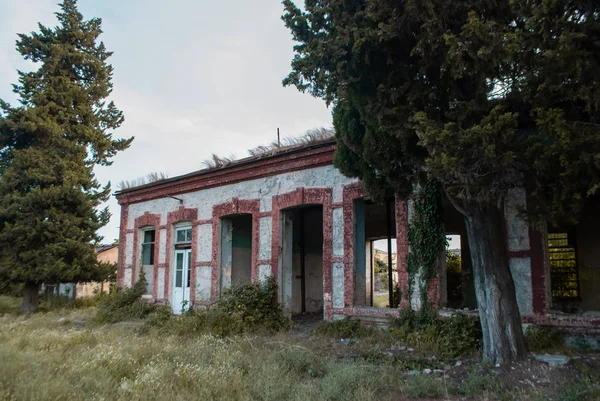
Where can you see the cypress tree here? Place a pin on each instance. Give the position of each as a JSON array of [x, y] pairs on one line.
[[50, 143]]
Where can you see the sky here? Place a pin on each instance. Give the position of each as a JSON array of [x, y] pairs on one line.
[[193, 78]]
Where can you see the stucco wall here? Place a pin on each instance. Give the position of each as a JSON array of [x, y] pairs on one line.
[[263, 190]]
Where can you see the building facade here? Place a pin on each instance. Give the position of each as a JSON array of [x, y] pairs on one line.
[[293, 216]]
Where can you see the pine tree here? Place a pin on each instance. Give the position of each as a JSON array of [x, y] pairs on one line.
[[50, 143], [482, 96]]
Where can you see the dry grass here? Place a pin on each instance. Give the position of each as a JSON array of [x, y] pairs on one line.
[[50, 360], [43, 359]]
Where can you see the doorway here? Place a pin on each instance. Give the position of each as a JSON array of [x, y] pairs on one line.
[[236, 250], [302, 260], [181, 286]]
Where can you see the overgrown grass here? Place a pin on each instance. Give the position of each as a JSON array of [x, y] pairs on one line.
[[344, 328], [583, 389], [241, 309], [9, 304], [125, 304], [445, 338], [540, 338], [50, 361]]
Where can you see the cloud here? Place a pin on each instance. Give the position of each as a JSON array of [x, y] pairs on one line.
[[192, 78]]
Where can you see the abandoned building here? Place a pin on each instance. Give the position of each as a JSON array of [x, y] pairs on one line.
[[293, 216]]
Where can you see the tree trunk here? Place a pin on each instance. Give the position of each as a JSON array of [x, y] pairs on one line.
[[494, 287], [30, 297]]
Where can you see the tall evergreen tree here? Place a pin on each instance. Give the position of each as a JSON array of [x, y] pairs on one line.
[[49, 145], [483, 96]]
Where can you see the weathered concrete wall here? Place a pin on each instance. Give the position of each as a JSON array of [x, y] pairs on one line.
[[204, 253], [517, 240], [262, 189]]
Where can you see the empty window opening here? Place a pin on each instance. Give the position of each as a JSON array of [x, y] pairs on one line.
[[301, 260], [148, 240], [564, 274], [375, 272], [236, 250], [458, 278]]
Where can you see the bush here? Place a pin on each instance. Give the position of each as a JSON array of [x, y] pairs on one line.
[[445, 338], [344, 328], [125, 304], [539, 338], [254, 305], [241, 309]]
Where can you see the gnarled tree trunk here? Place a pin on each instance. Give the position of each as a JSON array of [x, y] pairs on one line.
[[30, 297], [494, 287]]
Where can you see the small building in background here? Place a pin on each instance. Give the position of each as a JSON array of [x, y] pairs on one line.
[[105, 254]]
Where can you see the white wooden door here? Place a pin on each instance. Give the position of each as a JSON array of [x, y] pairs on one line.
[[181, 282]]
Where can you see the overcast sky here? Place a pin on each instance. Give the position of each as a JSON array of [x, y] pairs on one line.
[[192, 78]]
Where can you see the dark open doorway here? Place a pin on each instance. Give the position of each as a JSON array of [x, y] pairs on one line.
[[302, 260], [236, 250]]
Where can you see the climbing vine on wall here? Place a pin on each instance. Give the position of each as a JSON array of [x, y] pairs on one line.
[[426, 238]]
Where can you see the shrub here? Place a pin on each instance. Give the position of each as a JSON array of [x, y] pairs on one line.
[[241, 309], [254, 305], [446, 338], [539, 338], [344, 328], [125, 304]]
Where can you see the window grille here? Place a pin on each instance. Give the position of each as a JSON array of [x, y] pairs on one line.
[[564, 273]]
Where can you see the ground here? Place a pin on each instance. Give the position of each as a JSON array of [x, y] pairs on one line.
[[65, 354]]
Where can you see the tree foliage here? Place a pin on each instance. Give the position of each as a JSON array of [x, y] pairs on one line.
[[49, 145], [480, 95]]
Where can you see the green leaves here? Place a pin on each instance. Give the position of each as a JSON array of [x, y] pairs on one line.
[[49, 196], [454, 90]]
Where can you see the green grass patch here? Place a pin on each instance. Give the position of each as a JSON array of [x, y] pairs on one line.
[[446, 338], [344, 328]]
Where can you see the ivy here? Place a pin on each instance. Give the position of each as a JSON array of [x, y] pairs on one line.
[[426, 237]]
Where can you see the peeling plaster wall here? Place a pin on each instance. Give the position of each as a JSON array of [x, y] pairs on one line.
[[129, 250], [161, 282], [203, 276], [520, 268], [262, 189], [162, 246], [517, 229], [204, 245], [338, 232], [266, 228], [338, 285], [264, 272], [518, 246], [127, 278]]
